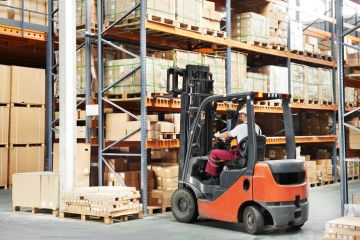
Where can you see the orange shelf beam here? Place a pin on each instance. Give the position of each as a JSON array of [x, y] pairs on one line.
[[17, 32]]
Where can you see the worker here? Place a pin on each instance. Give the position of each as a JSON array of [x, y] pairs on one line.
[[240, 132]]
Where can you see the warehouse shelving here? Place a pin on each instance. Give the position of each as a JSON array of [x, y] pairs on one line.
[[161, 36]]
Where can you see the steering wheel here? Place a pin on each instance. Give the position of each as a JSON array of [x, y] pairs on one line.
[[243, 147]]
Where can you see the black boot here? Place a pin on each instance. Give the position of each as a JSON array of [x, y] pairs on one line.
[[212, 181]]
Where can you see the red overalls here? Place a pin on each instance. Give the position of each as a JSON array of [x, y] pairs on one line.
[[212, 166]]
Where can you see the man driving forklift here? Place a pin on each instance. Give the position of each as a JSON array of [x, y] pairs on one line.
[[239, 132]]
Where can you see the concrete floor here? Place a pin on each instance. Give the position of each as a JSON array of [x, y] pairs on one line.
[[324, 205]]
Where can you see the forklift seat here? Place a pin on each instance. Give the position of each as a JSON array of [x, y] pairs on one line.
[[234, 169]]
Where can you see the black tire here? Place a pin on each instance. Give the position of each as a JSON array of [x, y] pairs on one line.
[[184, 206], [253, 220], [298, 227]]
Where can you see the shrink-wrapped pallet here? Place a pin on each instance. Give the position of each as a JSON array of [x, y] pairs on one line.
[[189, 12], [296, 36], [156, 75], [312, 83], [115, 9], [250, 27], [277, 78], [238, 71], [325, 77], [81, 12], [256, 82], [351, 96], [217, 68], [297, 81]]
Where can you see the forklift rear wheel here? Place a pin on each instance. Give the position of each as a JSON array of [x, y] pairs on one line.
[[183, 206], [253, 220]]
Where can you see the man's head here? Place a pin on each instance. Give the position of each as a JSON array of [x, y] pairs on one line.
[[243, 115]]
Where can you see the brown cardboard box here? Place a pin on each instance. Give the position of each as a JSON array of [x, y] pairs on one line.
[[164, 127], [165, 170], [83, 156], [4, 166], [27, 125], [27, 85], [5, 80], [175, 119], [4, 125], [26, 159], [166, 183], [160, 198], [36, 189]]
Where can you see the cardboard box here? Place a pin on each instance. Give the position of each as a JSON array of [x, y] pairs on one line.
[[175, 119], [165, 170], [83, 157], [164, 127], [160, 198], [36, 189], [24, 81], [4, 125], [5, 80], [26, 159], [27, 125], [4, 158], [166, 183]]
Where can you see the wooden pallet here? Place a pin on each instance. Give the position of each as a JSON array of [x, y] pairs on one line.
[[122, 216], [28, 105], [3, 187], [261, 103], [12, 145], [350, 104], [155, 209], [297, 100], [161, 20], [327, 182], [326, 102], [273, 103], [188, 27], [278, 47], [312, 101], [116, 96], [4, 105], [298, 52], [314, 184], [214, 33], [168, 136], [35, 210], [257, 43]]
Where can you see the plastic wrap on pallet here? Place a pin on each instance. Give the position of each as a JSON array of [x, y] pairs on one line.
[[250, 27], [238, 71], [296, 36], [351, 96], [115, 9], [352, 210], [81, 12], [256, 82], [312, 83], [156, 75], [297, 81], [325, 76], [180, 59], [217, 68], [189, 12], [277, 78], [33, 15]]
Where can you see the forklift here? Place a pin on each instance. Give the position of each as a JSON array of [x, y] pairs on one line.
[[261, 193]]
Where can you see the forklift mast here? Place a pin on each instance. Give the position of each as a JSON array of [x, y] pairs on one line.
[[197, 85]]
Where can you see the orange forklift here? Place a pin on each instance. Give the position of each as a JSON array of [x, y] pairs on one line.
[[258, 194]]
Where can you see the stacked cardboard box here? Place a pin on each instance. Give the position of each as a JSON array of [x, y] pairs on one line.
[[250, 27], [166, 182], [130, 178], [312, 172], [189, 12], [311, 45], [238, 71], [324, 167], [353, 136], [342, 228], [217, 68], [352, 168], [36, 190], [156, 75], [102, 201], [27, 137], [115, 9], [351, 97], [278, 24], [315, 124], [296, 36], [353, 59], [297, 81], [277, 153], [4, 159], [210, 17], [165, 155], [36, 14], [256, 82]]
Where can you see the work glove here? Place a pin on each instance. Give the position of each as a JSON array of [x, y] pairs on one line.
[[217, 134]]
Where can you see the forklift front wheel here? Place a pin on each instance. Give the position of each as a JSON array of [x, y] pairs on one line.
[[183, 206], [253, 220]]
